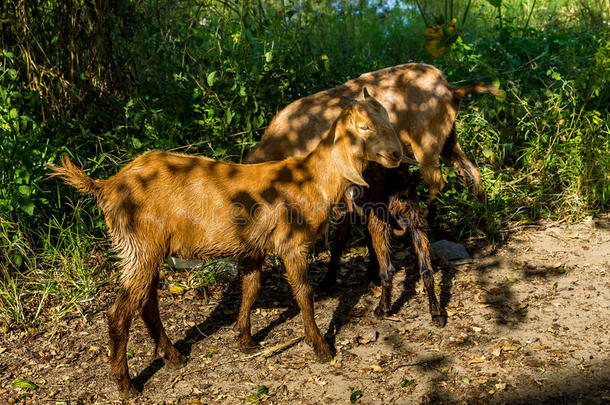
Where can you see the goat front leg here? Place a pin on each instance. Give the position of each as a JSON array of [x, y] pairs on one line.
[[379, 231], [418, 226], [250, 287], [296, 272], [164, 347]]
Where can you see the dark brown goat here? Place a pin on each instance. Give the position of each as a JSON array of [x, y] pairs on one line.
[[169, 204], [389, 205], [422, 107]]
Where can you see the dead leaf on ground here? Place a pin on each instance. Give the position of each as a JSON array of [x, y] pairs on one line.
[[368, 338], [477, 360], [176, 289]]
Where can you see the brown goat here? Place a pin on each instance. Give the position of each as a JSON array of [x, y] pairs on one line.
[[164, 204], [422, 107]]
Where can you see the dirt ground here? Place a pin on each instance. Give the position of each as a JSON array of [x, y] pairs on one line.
[[528, 323]]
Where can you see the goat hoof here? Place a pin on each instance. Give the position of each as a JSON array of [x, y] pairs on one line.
[[324, 354], [379, 312], [250, 349], [248, 345], [129, 392], [171, 356], [439, 320], [175, 362]]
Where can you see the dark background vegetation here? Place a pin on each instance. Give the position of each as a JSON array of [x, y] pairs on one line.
[[106, 80]]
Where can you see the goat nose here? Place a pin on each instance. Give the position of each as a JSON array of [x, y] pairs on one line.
[[396, 155]]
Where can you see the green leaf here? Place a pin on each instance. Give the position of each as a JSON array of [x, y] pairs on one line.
[[258, 121], [18, 259], [255, 398], [28, 208], [252, 398], [229, 116], [13, 114], [407, 383], [511, 279], [23, 383], [325, 61], [136, 143], [268, 56], [25, 190], [6, 53], [466, 379], [212, 78], [355, 396]]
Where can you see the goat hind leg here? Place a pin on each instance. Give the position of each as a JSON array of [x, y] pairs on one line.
[[373, 268], [138, 281], [119, 320], [418, 227], [452, 151]]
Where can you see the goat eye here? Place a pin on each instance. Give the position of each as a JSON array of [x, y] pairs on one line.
[[364, 128]]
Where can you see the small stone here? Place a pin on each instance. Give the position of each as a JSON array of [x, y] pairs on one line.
[[450, 251]]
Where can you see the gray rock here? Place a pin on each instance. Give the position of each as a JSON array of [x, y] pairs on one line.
[[228, 265], [450, 251], [185, 263]]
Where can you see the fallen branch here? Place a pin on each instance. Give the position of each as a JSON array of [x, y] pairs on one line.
[[264, 353], [276, 349]]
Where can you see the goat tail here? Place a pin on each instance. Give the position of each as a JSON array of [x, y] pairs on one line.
[[76, 177], [478, 88]]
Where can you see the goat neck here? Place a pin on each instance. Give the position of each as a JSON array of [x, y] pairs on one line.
[[329, 160]]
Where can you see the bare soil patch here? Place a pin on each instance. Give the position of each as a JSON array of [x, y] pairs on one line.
[[528, 323]]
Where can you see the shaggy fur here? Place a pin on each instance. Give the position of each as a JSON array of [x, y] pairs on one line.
[[164, 204]]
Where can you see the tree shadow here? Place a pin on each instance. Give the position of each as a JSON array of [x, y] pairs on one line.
[[214, 322], [349, 289]]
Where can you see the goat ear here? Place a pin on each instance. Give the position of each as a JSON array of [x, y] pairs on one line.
[[351, 170], [349, 100]]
